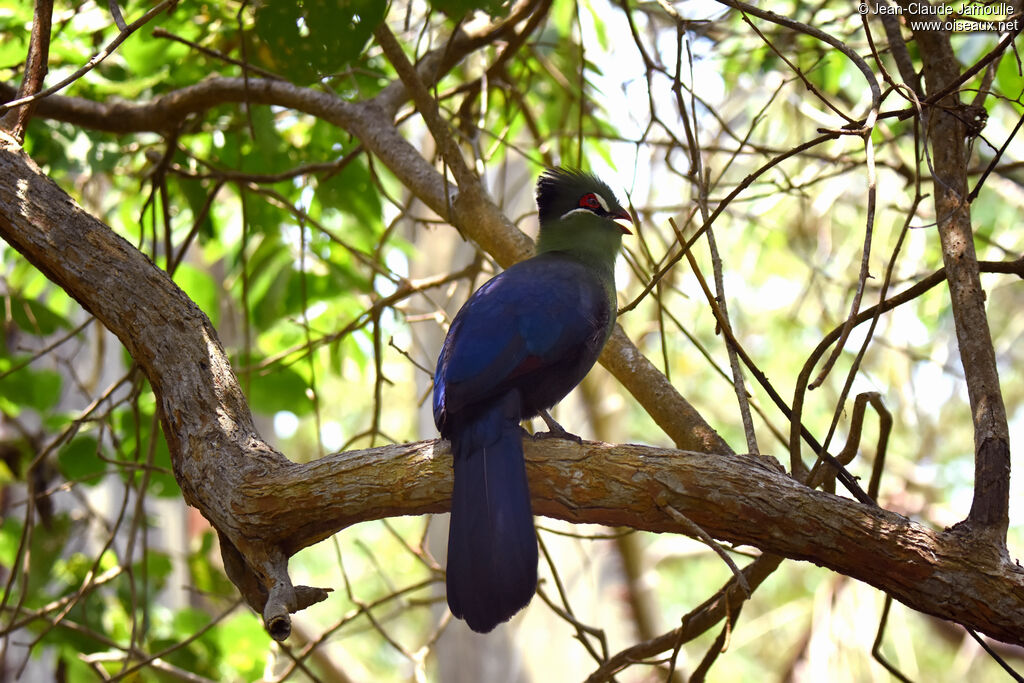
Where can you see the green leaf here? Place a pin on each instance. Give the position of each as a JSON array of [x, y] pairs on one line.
[[190, 620], [195, 194], [10, 539], [29, 388], [269, 294], [1009, 80], [201, 288], [352, 190], [158, 568], [35, 317], [6, 475], [307, 39], [79, 460], [46, 549], [281, 389], [13, 20], [135, 444], [244, 643], [456, 9], [268, 150], [207, 577]]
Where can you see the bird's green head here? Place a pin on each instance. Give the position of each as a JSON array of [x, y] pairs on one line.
[[563, 193], [578, 212]]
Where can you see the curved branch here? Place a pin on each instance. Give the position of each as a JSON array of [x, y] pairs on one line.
[[266, 508], [743, 499], [471, 210], [945, 126], [210, 433]]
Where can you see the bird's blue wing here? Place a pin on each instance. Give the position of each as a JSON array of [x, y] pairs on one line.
[[536, 314]]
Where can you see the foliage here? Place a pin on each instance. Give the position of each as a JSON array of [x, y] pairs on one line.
[[294, 241]]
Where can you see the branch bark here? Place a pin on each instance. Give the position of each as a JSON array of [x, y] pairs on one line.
[[16, 120], [467, 207], [742, 499], [266, 507], [947, 124]]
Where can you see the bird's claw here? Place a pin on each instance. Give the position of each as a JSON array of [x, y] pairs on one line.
[[559, 433], [555, 430]]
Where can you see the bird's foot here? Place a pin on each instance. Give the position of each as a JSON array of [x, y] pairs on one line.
[[558, 434], [555, 430]]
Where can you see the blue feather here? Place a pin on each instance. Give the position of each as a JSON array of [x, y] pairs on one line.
[[492, 549], [518, 346]]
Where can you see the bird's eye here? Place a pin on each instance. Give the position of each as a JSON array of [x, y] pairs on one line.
[[590, 201]]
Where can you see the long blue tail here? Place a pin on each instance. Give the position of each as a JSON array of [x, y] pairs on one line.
[[492, 546]]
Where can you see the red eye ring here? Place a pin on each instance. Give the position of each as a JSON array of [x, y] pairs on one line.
[[590, 201]]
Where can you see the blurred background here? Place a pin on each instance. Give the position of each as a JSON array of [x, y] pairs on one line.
[[331, 285]]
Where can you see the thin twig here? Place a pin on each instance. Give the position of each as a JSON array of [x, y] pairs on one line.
[[96, 59], [36, 67], [848, 480], [159, 32], [994, 655], [703, 617], [740, 187], [702, 180], [876, 648], [704, 536]]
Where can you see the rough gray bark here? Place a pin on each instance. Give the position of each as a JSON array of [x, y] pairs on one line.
[[468, 207], [266, 507], [947, 124]]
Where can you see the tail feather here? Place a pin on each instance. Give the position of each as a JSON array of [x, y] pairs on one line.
[[492, 547]]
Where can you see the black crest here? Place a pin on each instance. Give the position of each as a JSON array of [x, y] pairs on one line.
[[559, 190]]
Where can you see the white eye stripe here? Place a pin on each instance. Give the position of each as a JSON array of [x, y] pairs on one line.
[[600, 200], [574, 212]]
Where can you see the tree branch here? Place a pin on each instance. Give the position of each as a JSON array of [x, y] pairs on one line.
[[742, 499], [210, 432], [266, 507], [946, 127], [36, 67], [471, 211]]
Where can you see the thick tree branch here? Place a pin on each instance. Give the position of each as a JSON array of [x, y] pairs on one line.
[[206, 420], [16, 120], [946, 125], [742, 499], [266, 507], [471, 211]]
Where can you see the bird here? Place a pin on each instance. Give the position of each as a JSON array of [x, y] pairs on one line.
[[521, 342]]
